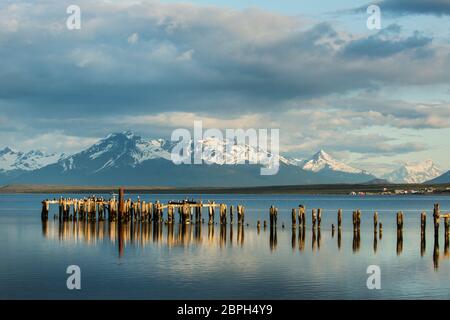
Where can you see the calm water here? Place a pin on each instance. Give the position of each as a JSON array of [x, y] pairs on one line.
[[206, 263]]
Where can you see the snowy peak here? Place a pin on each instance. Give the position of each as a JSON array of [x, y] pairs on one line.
[[12, 160], [117, 150], [322, 161], [414, 172]]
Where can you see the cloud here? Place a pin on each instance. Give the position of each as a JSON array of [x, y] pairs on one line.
[[151, 66], [432, 7], [379, 46], [148, 55]]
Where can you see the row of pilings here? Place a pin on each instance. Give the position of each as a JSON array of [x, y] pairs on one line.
[[124, 211]]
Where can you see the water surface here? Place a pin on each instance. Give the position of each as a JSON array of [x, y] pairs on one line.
[[209, 262]]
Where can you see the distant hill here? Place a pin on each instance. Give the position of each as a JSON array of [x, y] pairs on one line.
[[444, 178], [378, 181], [126, 158]]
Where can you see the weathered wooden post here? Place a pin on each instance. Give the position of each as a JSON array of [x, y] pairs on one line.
[[45, 210], [399, 232], [358, 219], [60, 212], [319, 217], [399, 221], [294, 218], [211, 214], [380, 229], [339, 218], [121, 204], [223, 213], [301, 215], [436, 218], [313, 217], [446, 226], [273, 216], [169, 214], [332, 230], [231, 214], [186, 214], [423, 223]]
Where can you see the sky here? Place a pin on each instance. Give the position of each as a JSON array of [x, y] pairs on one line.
[[372, 98]]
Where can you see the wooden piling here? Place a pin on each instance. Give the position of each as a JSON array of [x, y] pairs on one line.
[[399, 220], [423, 223], [45, 210], [294, 218], [301, 215], [313, 217], [319, 217], [273, 216], [436, 218], [121, 205]]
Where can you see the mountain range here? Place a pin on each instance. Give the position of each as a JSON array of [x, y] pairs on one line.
[[126, 158]]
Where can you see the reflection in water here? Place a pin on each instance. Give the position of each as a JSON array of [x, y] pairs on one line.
[[301, 238], [399, 241], [375, 241], [339, 238], [436, 252], [294, 238], [313, 238], [273, 238], [223, 235], [423, 245], [446, 253], [318, 238], [356, 240], [141, 233], [240, 235]]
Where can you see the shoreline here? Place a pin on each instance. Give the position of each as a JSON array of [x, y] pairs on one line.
[[337, 189]]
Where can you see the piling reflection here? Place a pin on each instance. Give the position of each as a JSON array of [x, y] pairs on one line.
[[436, 252], [339, 238], [356, 240], [273, 238], [423, 244], [219, 235], [294, 238], [446, 244], [375, 241], [399, 242], [313, 238], [301, 238]]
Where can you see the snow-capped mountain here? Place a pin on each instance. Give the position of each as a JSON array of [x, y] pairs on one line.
[[322, 161], [12, 160], [117, 150], [126, 158], [414, 172]]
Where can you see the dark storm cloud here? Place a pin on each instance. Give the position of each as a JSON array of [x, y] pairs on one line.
[[153, 57], [152, 67], [377, 46], [408, 7], [434, 7]]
